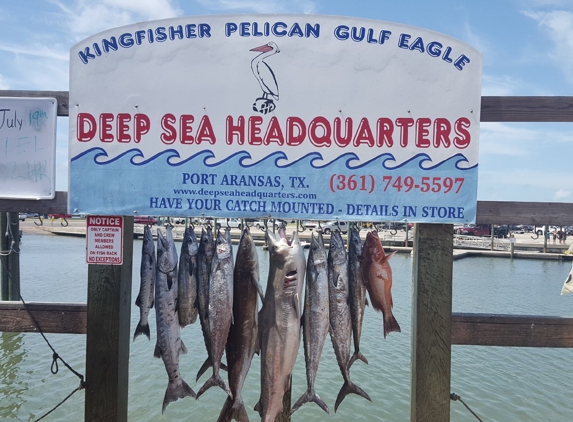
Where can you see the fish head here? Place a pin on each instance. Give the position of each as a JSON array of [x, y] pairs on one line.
[[317, 253], [337, 250], [373, 250], [355, 241], [166, 252], [222, 247], [206, 244], [287, 256], [192, 244]]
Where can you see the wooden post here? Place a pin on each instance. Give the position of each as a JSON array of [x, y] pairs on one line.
[[108, 336], [431, 323], [10, 242]]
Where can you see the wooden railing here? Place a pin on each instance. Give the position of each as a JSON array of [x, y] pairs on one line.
[[435, 329]]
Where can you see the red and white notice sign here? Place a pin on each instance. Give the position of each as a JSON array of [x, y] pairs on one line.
[[104, 236]]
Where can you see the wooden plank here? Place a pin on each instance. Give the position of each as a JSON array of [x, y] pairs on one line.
[[535, 213], [512, 330], [431, 323], [61, 96], [58, 205], [493, 109], [108, 336], [526, 109], [66, 318]]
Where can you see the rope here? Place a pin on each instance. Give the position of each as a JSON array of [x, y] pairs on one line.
[[455, 397], [54, 367]]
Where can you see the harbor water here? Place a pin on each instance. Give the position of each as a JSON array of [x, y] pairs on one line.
[[499, 384]]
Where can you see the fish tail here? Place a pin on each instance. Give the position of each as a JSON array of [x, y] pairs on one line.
[[215, 380], [310, 396], [142, 328], [347, 388], [177, 391], [391, 325], [357, 355], [233, 410], [206, 365]]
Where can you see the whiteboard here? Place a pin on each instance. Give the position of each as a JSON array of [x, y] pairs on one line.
[[28, 148]]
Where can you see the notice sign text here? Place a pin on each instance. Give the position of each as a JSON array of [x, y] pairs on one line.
[[104, 237]]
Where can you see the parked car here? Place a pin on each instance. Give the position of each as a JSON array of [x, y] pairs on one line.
[[331, 226], [144, 219], [22, 216], [483, 230], [309, 225]]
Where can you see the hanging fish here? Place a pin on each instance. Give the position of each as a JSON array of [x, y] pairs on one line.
[[187, 279], [146, 294]]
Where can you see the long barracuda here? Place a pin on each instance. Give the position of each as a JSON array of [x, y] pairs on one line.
[[187, 279], [242, 342], [169, 345], [315, 318], [279, 321], [205, 257], [340, 322], [357, 293], [146, 295], [220, 310]]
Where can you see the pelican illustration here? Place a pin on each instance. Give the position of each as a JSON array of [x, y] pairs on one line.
[[266, 77]]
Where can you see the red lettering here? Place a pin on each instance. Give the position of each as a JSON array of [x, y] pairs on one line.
[[384, 129], [122, 127], [274, 133], [422, 132], [86, 127], [237, 131], [170, 133], [185, 129], [205, 132], [105, 127], [255, 130], [296, 131], [442, 129], [404, 123], [320, 140], [464, 138], [363, 134], [342, 141], [142, 125]]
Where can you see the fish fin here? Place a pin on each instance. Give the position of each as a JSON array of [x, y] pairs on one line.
[[233, 410], [215, 380], [152, 304], [347, 388], [339, 281], [259, 288], [366, 301], [296, 303], [259, 408], [141, 329], [391, 325], [302, 319], [157, 351], [206, 365], [138, 300], [357, 355], [177, 391], [183, 350], [567, 286], [310, 396], [170, 281], [223, 367], [390, 255]]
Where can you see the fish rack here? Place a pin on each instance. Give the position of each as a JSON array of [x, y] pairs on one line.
[[105, 319]]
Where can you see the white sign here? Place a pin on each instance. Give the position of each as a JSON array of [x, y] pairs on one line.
[[28, 152], [104, 237], [289, 116]]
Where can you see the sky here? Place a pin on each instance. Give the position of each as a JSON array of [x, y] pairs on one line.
[[527, 48]]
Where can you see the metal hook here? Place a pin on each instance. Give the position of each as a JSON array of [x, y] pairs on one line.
[[41, 221]]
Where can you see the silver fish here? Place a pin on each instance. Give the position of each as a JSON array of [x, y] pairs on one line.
[[205, 257], [146, 294], [279, 321], [229, 241], [169, 345], [242, 342], [220, 310], [340, 323], [187, 279], [357, 293], [315, 319]]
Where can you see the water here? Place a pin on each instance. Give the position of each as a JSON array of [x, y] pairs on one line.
[[500, 384]]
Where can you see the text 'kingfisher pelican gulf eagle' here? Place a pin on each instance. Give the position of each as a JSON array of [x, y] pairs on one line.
[[266, 78]]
